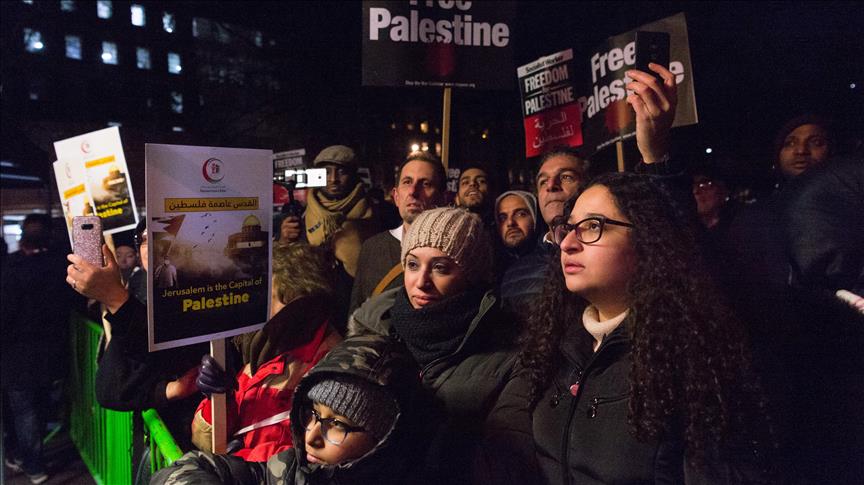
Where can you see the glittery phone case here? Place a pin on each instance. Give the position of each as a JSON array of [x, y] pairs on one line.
[[87, 238]]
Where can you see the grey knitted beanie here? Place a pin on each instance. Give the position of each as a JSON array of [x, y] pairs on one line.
[[458, 234], [367, 404]]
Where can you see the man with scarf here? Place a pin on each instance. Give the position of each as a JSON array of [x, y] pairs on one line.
[[338, 215]]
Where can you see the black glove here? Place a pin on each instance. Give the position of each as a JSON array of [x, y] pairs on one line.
[[212, 379]]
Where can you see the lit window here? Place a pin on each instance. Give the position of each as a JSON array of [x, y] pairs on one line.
[[168, 22], [138, 17], [104, 9], [142, 57], [67, 5], [109, 53], [259, 39], [174, 66], [73, 47], [115, 123], [28, 2], [177, 102], [177, 129], [33, 41]]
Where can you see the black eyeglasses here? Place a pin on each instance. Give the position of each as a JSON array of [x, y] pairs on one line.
[[588, 230], [332, 430]]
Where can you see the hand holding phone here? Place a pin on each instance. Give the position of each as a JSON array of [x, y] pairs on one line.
[[651, 47], [87, 239]]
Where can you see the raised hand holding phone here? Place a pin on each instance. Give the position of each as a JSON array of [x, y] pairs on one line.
[[101, 283]]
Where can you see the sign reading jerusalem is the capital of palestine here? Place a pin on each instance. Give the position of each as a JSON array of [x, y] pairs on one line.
[[209, 218]]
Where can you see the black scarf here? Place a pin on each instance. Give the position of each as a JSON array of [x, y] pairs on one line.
[[435, 330]]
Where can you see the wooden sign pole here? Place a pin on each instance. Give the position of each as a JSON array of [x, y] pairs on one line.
[[445, 129], [619, 149], [219, 411]]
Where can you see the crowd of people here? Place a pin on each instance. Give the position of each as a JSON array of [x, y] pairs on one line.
[[619, 328]]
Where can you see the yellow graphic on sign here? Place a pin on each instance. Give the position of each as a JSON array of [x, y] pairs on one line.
[[99, 161], [205, 204], [72, 192]]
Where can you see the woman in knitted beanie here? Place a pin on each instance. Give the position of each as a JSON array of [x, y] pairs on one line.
[[452, 324]]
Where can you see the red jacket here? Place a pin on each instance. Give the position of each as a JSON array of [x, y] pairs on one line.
[[267, 393]]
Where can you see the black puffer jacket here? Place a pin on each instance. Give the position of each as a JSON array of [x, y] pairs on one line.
[[463, 387], [582, 434], [374, 358]]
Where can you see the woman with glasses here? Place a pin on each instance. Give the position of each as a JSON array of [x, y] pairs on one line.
[[636, 371], [353, 420]]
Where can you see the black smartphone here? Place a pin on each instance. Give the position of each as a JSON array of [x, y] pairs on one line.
[[651, 47]]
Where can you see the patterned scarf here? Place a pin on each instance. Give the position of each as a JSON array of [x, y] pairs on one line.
[[324, 217]]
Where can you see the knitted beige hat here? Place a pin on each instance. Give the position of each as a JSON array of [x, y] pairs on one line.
[[458, 234]]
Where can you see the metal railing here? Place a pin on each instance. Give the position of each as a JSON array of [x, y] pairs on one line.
[[104, 438]]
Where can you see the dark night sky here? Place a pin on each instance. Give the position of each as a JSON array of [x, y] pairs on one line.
[[756, 63]]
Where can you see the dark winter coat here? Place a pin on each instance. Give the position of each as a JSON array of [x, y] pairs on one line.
[[129, 378], [580, 428], [463, 386], [377, 359], [35, 319]]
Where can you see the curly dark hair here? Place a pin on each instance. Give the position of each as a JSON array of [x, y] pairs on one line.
[[689, 358]]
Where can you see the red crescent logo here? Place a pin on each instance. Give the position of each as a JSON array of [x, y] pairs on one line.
[[213, 170]]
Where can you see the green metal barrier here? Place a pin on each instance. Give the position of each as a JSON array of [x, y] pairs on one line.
[[103, 437], [163, 449]]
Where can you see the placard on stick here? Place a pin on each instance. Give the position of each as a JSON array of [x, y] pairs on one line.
[[209, 225]]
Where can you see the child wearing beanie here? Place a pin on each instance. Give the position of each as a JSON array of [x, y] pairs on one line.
[[354, 420]]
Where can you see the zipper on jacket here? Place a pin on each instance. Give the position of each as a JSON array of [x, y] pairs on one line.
[[592, 411], [565, 441]]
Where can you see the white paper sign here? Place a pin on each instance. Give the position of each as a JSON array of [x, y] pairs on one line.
[[72, 191], [99, 157], [209, 225]]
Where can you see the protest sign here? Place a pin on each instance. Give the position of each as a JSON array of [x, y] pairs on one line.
[[606, 116], [209, 221], [438, 43], [99, 157], [549, 107], [72, 191]]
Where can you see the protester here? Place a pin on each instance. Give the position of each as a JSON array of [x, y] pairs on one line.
[[35, 322], [563, 170], [127, 261], [420, 185], [354, 420], [804, 142], [128, 376], [454, 329], [824, 234], [476, 191], [295, 338], [654, 383], [338, 215], [516, 217], [137, 282]]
